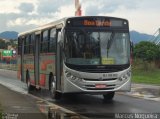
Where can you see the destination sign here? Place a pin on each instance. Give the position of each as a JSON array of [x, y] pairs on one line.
[[96, 22]]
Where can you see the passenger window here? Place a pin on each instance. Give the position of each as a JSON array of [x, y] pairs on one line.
[[52, 42], [44, 42], [31, 45], [19, 46]]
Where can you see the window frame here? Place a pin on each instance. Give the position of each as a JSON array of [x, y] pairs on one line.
[[52, 40], [44, 42]]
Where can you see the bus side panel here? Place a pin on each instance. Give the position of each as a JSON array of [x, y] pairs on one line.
[[47, 66], [19, 70], [29, 65]]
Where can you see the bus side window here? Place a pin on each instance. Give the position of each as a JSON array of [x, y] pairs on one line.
[[44, 42], [19, 46], [25, 49], [31, 44], [27, 43], [52, 40]]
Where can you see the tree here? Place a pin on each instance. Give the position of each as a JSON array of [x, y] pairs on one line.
[[2, 44], [147, 51]]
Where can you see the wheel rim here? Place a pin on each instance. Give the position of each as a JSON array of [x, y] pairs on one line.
[[28, 84], [53, 88]]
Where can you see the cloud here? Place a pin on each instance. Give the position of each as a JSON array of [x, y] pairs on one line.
[[26, 7], [66, 11], [51, 6], [43, 12], [9, 7], [17, 22], [21, 15], [103, 6], [12, 6]]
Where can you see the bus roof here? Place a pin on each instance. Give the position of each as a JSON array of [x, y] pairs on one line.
[[62, 21], [51, 24]]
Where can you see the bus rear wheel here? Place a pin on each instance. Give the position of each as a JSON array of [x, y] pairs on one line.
[[108, 96], [29, 86]]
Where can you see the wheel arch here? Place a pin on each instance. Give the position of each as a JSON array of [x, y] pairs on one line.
[[50, 80]]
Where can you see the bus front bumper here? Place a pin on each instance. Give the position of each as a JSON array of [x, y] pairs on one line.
[[96, 87]]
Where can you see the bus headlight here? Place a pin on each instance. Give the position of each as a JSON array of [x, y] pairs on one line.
[[73, 78], [68, 74], [125, 76], [120, 79]]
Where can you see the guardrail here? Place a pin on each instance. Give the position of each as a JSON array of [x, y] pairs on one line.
[[8, 66]]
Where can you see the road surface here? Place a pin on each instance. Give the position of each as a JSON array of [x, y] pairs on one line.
[[93, 106]]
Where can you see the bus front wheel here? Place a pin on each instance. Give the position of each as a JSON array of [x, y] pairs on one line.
[[54, 94], [108, 96]]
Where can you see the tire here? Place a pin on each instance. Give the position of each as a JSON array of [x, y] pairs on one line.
[[54, 94], [109, 96], [29, 86]]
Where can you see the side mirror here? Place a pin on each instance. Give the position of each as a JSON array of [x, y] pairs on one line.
[[131, 52], [59, 36], [132, 45]]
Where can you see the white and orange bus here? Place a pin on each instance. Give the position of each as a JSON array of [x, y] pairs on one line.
[[89, 54]]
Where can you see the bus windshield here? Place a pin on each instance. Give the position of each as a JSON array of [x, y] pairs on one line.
[[97, 47]]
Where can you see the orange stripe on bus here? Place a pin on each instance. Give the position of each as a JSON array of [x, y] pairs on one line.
[[42, 79], [45, 63], [19, 72], [43, 66], [19, 75]]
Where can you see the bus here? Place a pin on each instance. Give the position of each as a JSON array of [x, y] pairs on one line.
[[89, 54]]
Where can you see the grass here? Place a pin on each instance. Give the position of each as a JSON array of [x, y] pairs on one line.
[[146, 73], [0, 112], [146, 77]]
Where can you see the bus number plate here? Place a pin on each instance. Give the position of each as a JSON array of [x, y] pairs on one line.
[[100, 86]]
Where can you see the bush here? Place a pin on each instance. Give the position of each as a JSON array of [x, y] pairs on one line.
[[148, 52]]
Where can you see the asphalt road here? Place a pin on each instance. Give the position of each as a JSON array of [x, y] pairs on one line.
[[94, 106], [89, 104]]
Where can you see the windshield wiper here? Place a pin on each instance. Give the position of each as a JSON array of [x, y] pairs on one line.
[[110, 41]]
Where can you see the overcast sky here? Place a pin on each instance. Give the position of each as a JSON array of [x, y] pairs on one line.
[[21, 15]]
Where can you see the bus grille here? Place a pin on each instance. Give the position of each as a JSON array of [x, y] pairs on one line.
[[111, 79]]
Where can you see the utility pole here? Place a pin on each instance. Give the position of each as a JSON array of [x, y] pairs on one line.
[[78, 11]]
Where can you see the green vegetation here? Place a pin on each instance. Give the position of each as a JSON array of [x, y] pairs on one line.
[[147, 51], [0, 112], [4, 44], [146, 66], [149, 77]]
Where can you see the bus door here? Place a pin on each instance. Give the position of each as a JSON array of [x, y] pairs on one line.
[[22, 59], [58, 61], [36, 57]]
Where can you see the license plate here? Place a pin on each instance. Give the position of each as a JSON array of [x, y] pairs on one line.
[[100, 86]]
